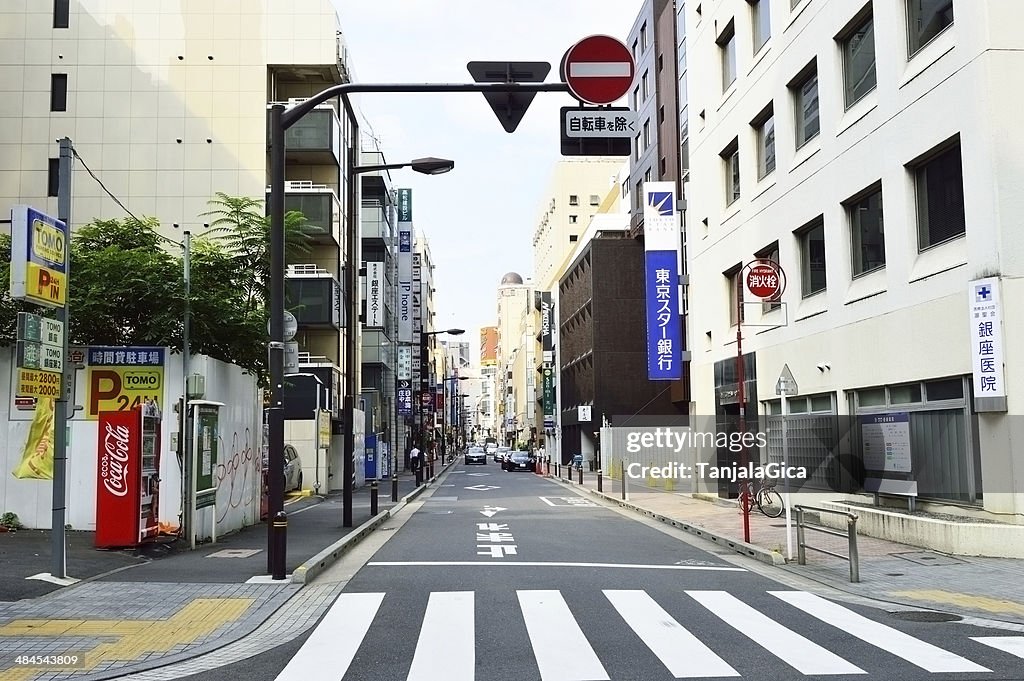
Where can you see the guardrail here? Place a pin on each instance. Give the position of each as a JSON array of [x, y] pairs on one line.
[[850, 534]]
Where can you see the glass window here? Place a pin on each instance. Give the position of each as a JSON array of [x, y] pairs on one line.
[[806, 95], [766, 146], [940, 199], [59, 92], [762, 23], [774, 408], [735, 296], [798, 406], [875, 397], [859, 62], [727, 47], [61, 13], [573, 219], [948, 389], [867, 233], [770, 253], [647, 133], [731, 158], [812, 255], [821, 403], [925, 20], [53, 177], [905, 394], [574, 200], [595, 200], [636, 98], [643, 38], [644, 91]]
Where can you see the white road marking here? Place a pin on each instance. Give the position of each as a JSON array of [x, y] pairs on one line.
[[562, 650], [600, 69], [914, 651], [477, 563], [790, 647], [446, 649], [547, 501], [1008, 644], [336, 638], [679, 650]]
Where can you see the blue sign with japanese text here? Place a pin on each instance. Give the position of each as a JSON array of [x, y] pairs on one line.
[[405, 401], [664, 324]]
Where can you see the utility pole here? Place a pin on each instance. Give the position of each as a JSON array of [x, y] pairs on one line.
[[58, 565], [186, 425]]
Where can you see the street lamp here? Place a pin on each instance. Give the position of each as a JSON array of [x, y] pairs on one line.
[[424, 387]]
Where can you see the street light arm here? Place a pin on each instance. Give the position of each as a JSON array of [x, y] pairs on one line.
[[292, 115]]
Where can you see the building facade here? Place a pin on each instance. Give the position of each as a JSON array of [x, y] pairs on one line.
[[514, 301], [815, 144], [487, 409]]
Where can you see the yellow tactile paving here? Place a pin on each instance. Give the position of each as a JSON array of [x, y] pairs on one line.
[[135, 638], [984, 603]]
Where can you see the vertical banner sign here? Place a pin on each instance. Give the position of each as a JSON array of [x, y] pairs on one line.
[[405, 237], [374, 295], [547, 314], [662, 243], [987, 338], [549, 396], [39, 251], [123, 378], [118, 478], [404, 398]]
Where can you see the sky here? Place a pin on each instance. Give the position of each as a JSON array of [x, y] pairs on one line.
[[480, 217]]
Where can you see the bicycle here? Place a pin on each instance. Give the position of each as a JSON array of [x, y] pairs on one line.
[[766, 497]]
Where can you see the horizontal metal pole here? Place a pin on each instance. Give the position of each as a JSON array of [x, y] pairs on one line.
[[814, 548], [826, 510], [290, 116], [826, 530]]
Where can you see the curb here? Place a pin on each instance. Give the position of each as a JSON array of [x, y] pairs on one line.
[[749, 550], [313, 567]]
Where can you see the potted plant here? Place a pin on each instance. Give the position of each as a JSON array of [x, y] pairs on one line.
[[9, 522]]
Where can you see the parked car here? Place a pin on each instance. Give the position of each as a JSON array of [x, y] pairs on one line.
[[519, 461], [476, 455], [292, 469]]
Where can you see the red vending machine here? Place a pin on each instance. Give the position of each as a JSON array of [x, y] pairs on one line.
[[127, 477]]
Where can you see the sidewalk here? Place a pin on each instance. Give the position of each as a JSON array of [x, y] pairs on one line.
[[990, 588], [136, 612]]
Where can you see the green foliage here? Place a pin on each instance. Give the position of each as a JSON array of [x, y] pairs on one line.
[[10, 520]]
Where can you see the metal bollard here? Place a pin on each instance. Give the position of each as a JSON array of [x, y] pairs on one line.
[[419, 475], [801, 555], [279, 526], [600, 480], [851, 528], [373, 498], [622, 471], [394, 487], [580, 469], [558, 470]]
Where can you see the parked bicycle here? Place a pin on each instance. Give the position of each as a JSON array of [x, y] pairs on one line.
[[764, 496]]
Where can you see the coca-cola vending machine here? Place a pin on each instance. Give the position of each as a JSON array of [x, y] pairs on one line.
[[127, 477]]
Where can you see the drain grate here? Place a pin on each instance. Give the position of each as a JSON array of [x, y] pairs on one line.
[[925, 616], [929, 558]]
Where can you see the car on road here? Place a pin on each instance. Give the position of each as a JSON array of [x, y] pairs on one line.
[[500, 453], [476, 455], [292, 469], [519, 461]]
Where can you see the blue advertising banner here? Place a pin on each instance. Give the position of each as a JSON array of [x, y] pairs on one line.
[[405, 398], [664, 330], [370, 462]]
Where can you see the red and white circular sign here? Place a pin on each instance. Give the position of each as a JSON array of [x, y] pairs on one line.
[[765, 279], [598, 69]]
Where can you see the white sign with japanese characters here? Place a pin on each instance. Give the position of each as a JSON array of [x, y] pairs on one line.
[[374, 295], [600, 123], [986, 337]]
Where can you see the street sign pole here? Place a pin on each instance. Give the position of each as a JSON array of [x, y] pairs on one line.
[[58, 566], [784, 388]]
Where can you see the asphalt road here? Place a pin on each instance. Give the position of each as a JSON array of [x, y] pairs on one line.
[[506, 576]]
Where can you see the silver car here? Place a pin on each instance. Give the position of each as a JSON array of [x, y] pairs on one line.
[[292, 469]]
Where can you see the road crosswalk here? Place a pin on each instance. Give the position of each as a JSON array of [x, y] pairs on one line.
[[447, 639]]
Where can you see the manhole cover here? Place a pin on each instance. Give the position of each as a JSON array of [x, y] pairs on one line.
[[928, 558], [926, 616]]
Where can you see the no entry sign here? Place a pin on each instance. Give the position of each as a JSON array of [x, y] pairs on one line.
[[765, 279], [598, 69]]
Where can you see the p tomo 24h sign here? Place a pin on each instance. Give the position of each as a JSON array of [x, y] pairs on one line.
[[120, 379]]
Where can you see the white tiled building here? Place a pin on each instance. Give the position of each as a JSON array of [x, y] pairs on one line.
[[804, 116]]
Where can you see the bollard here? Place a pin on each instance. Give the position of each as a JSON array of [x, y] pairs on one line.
[[279, 526], [394, 487], [373, 498], [558, 470], [600, 481], [419, 475], [622, 472], [581, 474]]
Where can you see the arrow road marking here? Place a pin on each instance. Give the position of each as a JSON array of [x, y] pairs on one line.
[[489, 511], [600, 69], [483, 488]]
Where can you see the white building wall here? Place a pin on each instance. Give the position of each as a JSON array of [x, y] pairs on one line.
[[908, 321]]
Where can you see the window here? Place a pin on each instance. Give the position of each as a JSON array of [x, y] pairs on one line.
[[731, 158], [59, 92], [661, 114], [925, 20], [53, 177], [662, 167], [638, 195], [764, 126], [812, 257], [595, 200], [859, 60], [805, 93], [574, 200], [636, 98], [727, 50], [573, 219], [940, 198], [661, 63], [647, 175], [794, 3], [644, 91], [636, 144], [867, 232], [635, 55], [643, 38], [647, 133], [61, 13], [735, 294], [573, 238], [761, 21]]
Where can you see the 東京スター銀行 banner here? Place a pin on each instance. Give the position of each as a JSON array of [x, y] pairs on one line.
[[662, 242]]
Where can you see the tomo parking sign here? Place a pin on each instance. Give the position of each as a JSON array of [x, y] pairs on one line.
[[120, 379]]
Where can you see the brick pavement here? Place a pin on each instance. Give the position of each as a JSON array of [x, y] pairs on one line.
[[895, 573]]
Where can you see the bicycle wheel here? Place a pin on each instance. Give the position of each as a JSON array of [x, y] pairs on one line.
[[770, 503]]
